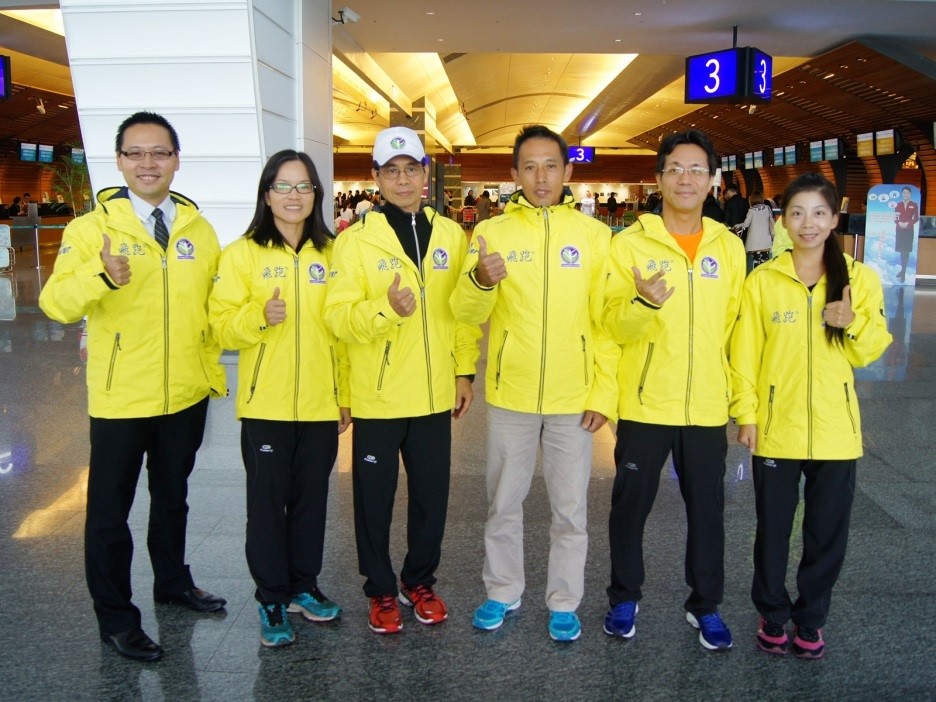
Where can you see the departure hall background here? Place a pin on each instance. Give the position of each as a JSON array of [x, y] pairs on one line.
[[241, 79]]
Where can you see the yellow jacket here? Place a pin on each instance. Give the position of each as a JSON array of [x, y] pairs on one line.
[[674, 362], [293, 371], [150, 350], [547, 353], [788, 379], [400, 366]]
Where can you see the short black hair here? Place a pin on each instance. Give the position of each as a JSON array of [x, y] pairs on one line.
[[145, 117], [539, 131], [692, 136]]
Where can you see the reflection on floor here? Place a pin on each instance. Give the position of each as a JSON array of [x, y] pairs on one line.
[[879, 637]]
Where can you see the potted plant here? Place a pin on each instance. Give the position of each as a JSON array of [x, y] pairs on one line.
[[71, 182]]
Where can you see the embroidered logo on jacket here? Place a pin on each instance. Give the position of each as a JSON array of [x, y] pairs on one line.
[[316, 273], [570, 257], [185, 249], [709, 267], [440, 260]]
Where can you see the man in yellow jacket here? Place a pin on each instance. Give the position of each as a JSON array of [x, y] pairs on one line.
[[411, 367], [672, 300], [142, 277], [538, 271]]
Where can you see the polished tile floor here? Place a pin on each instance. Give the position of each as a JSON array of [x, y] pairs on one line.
[[880, 641]]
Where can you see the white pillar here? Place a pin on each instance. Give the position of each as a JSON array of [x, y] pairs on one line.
[[228, 74]]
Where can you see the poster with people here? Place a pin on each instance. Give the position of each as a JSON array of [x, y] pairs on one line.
[[891, 233]]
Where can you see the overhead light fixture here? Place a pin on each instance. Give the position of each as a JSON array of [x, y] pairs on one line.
[[346, 16], [40, 105]]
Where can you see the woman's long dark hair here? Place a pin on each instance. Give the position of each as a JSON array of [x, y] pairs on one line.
[[262, 227], [833, 258]]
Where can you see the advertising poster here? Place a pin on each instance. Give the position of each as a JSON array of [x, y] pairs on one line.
[[892, 228], [898, 306]]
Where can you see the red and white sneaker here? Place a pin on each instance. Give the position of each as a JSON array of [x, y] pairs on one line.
[[808, 643], [427, 606], [384, 617]]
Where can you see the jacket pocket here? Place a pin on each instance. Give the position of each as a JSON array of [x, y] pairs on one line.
[[643, 373], [848, 408], [770, 400], [256, 372], [500, 359], [385, 361], [585, 358], [113, 361]]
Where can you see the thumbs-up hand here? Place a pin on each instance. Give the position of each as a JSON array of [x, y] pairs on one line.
[[839, 314], [491, 268], [275, 309], [402, 301], [653, 289], [116, 267]]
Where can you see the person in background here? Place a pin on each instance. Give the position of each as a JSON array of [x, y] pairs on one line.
[[906, 215], [736, 207], [612, 205], [412, 366], [807, 318], [470, 199], [711, 208], [588, 204], [538, 272], [363, 206], [672, 299], [140, 267], [484, 206], [24, 204], [758, 225], [267, 304]]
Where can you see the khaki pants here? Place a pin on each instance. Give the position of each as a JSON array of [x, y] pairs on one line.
[[513, 441]]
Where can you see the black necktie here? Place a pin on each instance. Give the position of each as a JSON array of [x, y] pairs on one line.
[[160, 231]]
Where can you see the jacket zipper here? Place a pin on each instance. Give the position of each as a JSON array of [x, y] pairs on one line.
[[542, 379], [298, 326], [422, 312], [334, 362], [383, 366], [848, 407], [691, 337], [113, 361], [809, 372], [256, 373], [500, 358], [643, 374], [165, 267], [769, 410], [585, 359]]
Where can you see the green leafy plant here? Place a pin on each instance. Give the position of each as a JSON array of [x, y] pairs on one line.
[[71, 181]]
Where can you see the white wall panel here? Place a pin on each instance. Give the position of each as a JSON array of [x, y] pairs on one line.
[[276, 47], [277, 93]]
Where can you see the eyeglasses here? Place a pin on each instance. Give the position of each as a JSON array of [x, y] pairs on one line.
[[303, 188], [157, 154], [694, 171], [411, 170]]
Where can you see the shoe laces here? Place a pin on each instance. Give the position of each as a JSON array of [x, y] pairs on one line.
[[385, 603], [712, 622], [810, 635], [772, 629], [563, 617], [273, 613], [624, 610], [422, 593], [316, 594]]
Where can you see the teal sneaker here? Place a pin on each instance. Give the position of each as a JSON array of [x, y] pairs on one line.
[[314, 606], [491, 614], [564, 626], [275, 629]]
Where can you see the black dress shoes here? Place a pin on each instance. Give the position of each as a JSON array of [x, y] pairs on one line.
[[134, 644], [195, 599]]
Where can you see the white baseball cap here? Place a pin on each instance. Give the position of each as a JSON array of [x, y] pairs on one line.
[[397, 141]]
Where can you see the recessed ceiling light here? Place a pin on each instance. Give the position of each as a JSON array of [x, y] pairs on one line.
[[618, 41], [430, 13], [638, 14]]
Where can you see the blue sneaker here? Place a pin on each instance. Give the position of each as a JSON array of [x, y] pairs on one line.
[[619, 621], [713, 634], [275, 629], [564, 626], [491, 614], [314, 606]]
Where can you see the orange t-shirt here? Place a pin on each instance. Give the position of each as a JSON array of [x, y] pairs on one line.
[[689, 243]]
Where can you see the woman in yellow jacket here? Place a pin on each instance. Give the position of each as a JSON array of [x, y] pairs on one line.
[[807, 318], [291, 397]]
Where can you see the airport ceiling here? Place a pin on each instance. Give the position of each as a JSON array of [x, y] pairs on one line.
[[605, 73]]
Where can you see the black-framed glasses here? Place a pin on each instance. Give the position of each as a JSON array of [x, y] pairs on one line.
[[157, 154], [303, 188], [410, 169]]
